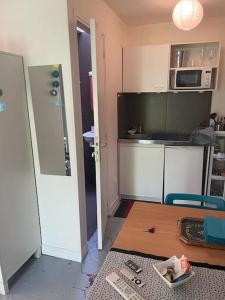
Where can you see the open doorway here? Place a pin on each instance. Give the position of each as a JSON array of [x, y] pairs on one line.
[[85, 66]]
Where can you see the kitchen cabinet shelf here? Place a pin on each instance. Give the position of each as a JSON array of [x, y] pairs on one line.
[[218, 158], [218, 177], [190, 68], [186, 91], [196, 55], [220, 133], [216, 183]]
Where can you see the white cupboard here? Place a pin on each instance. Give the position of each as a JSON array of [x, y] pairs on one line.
[[183, 170], [150, 172], [19, 219], [146, 68], [141, 171]]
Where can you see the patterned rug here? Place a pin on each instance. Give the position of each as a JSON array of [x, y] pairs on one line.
[[207, 284]]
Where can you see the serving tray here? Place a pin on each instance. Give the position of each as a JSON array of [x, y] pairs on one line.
[[191, 232]]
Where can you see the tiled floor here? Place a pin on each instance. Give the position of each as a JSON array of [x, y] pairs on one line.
[[51, 278]]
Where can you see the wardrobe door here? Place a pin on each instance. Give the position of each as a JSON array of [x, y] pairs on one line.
[[19, 220]]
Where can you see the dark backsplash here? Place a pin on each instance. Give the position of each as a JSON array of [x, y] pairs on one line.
[[177, 113]]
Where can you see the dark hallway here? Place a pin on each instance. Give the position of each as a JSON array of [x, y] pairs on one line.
[[84, 46]]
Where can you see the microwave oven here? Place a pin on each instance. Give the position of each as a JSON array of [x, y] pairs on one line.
[[196, 78]]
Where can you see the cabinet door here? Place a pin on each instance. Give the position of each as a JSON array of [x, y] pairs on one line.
[[183, 170], [146, 68], [141, 172], [19, 220]]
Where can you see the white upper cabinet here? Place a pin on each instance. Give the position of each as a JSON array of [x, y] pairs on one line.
[[146, 68]]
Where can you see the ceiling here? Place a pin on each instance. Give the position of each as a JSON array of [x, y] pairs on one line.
[[142, 12]]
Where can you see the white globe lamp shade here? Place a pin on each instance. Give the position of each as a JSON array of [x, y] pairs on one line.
[[188, 14]]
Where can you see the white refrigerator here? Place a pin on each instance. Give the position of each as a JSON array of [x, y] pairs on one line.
[[183, 169]]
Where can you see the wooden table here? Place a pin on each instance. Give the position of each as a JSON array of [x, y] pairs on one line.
[[165, 241]]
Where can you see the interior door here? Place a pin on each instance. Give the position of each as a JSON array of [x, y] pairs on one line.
[[100, 142]]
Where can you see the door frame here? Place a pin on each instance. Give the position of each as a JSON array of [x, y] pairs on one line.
[[100, 140], [87, 27], [81, 182], [83, 218]]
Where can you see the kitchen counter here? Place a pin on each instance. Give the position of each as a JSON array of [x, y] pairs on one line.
[[158, 142]]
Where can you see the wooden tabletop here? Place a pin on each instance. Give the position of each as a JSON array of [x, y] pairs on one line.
[[165, 241]]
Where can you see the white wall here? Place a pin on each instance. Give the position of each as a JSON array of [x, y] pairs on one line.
[[209, 30], [38, 30], [113, 29]]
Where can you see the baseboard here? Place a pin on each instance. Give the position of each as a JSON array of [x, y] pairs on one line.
[[61, 253], [141, 198], [3, 288], [113, 207]]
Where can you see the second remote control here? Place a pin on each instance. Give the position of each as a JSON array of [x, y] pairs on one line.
[[126, 291], [132, 277], [133, 266]]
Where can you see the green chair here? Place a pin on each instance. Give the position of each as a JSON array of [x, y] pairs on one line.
[[215, 203]]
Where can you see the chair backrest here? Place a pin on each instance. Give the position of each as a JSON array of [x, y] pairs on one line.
[[215, 202]]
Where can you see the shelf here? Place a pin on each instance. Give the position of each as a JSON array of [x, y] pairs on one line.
[[218, 158], [193, 68], [219, 196], [198, 91], [219, 133], [195, 44], [217, 177], [198, 55]]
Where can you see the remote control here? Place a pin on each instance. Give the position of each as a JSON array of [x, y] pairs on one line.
[[132, 277], [133, 266], [127, 292]]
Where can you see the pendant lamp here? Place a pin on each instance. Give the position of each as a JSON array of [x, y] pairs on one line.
[[188, 14]]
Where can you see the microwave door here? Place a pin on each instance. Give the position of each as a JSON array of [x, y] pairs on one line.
[[189, 79]]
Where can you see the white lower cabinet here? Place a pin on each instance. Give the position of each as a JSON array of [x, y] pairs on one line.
[[183, 170], [150, 172], [141, 171]]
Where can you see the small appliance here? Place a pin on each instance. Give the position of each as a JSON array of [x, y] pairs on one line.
[[191, 78]]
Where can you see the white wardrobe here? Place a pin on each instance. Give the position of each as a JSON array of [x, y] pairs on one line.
[[19, 220]]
